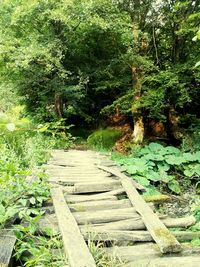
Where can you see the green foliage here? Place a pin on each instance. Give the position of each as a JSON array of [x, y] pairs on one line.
[[167, 166], [23, 185], [59, 48], [58, 132], [35, 250], [84, 52], [104, 139], [191, 140], [8, 97]]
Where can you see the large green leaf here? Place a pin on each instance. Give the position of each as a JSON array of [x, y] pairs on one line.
[[189, 172], [141, 180], [155, 147], [163, 167], [153, 176], [154, 157], [175, 160], [172, 150], [189, 157], [174, 186]]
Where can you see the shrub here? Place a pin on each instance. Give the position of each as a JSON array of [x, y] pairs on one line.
[[167, 166], [104, 139]]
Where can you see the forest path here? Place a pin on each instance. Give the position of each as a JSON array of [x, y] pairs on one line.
[[94, 200]]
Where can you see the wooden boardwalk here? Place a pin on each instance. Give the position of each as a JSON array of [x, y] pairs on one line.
[[92, 198]]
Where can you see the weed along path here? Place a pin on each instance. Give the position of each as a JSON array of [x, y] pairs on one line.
[[94, 202]]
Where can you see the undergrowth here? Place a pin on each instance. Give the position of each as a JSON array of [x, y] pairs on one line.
[[103, 139], [168, 167], [24, 148], [36, 250]]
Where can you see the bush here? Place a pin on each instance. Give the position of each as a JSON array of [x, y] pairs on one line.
[[166, 166], [27, 143], [104, 139]]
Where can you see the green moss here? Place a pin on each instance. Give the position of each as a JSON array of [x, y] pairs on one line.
[[169, 238]]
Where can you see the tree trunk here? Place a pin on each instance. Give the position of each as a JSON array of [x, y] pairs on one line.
[[138, 133], [173, 121], [59, 105]]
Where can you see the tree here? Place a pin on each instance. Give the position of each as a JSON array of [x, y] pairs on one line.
[[139, 15], [164, 92]]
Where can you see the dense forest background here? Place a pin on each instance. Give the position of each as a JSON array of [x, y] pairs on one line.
[[100, 63]]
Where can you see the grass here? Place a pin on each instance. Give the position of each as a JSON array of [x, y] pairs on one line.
[[101, 258]]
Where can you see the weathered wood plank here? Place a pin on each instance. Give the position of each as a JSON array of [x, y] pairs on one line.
[[96, 187], [84, 174], [73, 180], [138, 224], [94, 205], [134, 236], [105, 216], [100, 205], [149, 251], [80, 198], [115, 192], [7, 243], [162, 236], [117, 173], [75, 247], [187, 261]]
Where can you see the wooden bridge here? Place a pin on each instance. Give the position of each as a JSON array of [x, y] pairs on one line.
[[92, 198]]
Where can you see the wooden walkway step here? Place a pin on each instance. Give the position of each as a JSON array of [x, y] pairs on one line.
[[93, 199], [77, 251], [149, 255], [7, 243]]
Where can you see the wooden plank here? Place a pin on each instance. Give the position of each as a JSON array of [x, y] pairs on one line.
[[80, 198], [187, 261], [132, 236], [105, 216], [7, 243], [96, 187], [115, 192], [93, 205], [148, 251], [117, 173], [79, 174], [100, 205], [138, 224], [161, 235], [76, 249], [73, 180]]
